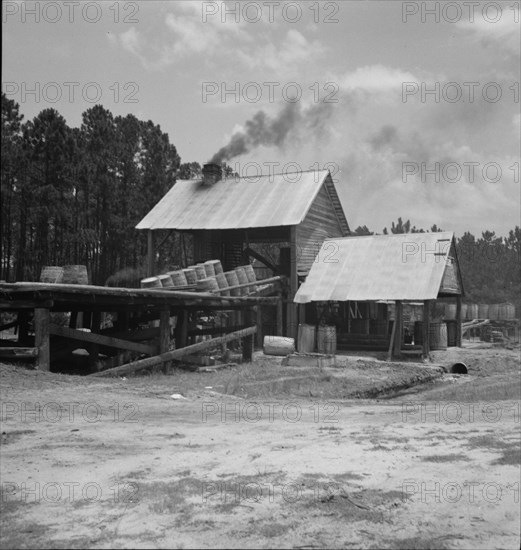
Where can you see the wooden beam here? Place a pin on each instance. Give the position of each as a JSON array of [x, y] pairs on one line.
[[102, 340], [248, 251], [177, 353], [151, 253], [24, 304], [264, 281], [41, 338], [17, 352]]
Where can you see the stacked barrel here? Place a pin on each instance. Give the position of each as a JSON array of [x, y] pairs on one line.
[[207, 277]]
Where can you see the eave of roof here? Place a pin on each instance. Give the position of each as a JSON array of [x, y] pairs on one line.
[[380, 267], [237, 203]]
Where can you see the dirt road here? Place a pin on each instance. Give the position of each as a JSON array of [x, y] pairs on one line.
[[123, 464]]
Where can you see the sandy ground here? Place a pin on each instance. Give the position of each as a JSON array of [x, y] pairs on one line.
[[112, 463]]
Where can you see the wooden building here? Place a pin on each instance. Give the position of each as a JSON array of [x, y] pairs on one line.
[[280, 220], [363, 285]]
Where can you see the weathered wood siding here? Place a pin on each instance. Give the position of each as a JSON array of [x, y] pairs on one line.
[[320, 223]]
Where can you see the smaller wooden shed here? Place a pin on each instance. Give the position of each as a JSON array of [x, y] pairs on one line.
[[361, 276]]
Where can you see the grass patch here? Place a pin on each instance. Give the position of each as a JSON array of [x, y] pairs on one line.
[[482, 389], [510, 457], [444, 458]]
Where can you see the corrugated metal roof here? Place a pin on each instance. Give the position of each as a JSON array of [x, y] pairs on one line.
[[382, 267], [237, 203]]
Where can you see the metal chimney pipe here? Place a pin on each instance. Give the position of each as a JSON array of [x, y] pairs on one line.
[[212, 173]]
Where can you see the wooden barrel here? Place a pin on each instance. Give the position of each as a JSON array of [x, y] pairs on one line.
[[190, 276], [206, 285], [51, 274], [326, 339], [510, 311], [75, 275], [179, 278], [200, 271], [493, 312], [165, 280], [472, 311], [450, 311], [209, 269], [250, 273], [243, 279], [452, 336], [252, 278], [151, 282], [306, 338], [482, 311], [463, 311], [222, 284], [216, 266], [278, 345], [231, 277], [438, 336]]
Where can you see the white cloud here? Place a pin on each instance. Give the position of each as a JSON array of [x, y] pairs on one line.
[[376, 78]]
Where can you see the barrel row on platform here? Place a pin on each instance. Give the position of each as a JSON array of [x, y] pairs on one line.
[[495, 312], [206, 277]]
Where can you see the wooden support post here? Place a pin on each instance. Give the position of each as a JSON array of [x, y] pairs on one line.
[[258, 322], [247, 342], [151, 253], [291, 308], [398, 322], [279, 328], [23, 326], [94, 347], [73, 320], [41, 338], [181, 329], [458, 321], [426, 328], [164, 336]]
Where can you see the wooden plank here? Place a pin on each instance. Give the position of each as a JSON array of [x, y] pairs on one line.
[[18, 352], [7, 326], [264, 281], [177, 353], [41, 338], [100, 339], [24, 304]]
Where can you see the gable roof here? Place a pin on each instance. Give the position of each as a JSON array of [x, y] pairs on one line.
[[408, 266], [239, 203]]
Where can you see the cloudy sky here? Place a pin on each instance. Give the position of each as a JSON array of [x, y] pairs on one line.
[[413, 106]]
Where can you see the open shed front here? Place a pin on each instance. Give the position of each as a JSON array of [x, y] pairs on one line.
[[383, 293]]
